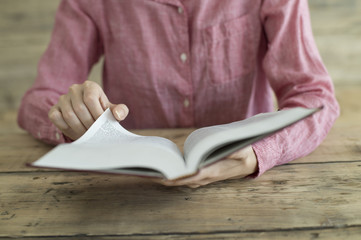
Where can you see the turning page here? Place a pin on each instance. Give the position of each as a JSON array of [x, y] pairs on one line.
[[108, 147]]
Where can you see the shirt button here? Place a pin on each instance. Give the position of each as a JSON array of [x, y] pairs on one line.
[[183, 57], [180, 10], [57, 136], [39, 135], [186, 103]]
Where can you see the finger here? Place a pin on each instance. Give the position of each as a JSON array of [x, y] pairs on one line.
[[162, 181], [176, 183], [246, 162], [92, 97], [70, 117], [203, 182], [241, 153], [104, 101], [166, 182], [222, 170], [232, 169], [56, 118], [80, 109], [120, 111], [192, 180], [234, 155]]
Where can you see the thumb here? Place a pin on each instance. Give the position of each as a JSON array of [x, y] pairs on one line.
[[120, 111]]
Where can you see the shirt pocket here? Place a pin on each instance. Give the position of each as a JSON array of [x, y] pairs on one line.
[[231, 49]]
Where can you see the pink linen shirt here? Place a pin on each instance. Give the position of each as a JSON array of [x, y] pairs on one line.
[[190, 63]]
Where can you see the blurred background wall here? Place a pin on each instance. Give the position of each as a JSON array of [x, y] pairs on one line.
[[25, 27]]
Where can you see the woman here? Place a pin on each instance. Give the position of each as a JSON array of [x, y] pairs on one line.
[[184, 63]]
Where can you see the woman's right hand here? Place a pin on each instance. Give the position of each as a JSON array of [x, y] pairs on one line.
[[77, 110]]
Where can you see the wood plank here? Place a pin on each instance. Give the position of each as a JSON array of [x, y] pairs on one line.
[[348, 98], [18, 73], [349, 233], [295, 197], [336, 30], [18, 149], [341, 144], [27, 16], [341, 55], [335, 17], [25, 28]]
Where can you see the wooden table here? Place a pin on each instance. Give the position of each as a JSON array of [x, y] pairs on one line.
[[318, 196]]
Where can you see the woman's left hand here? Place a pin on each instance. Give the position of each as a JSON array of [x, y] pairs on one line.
[[237, 165]]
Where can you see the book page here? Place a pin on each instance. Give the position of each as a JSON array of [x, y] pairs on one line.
[[106, 130], [107, 146], [203, 142]]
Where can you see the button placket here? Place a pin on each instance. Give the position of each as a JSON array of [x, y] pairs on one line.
[[183, 57], [180, 10], [186, 103]]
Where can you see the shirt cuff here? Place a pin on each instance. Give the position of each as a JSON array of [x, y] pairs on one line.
[[51, 135], [267, 155]]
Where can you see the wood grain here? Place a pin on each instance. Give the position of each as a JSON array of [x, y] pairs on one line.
[[310, 196], [349, 233]]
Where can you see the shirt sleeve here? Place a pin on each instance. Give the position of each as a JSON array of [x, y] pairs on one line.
[[74, 48], [298, 77]]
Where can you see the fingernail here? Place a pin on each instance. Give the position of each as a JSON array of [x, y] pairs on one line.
[[120, 114]]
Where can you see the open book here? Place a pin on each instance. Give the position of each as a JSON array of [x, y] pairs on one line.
[[108, 147]]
